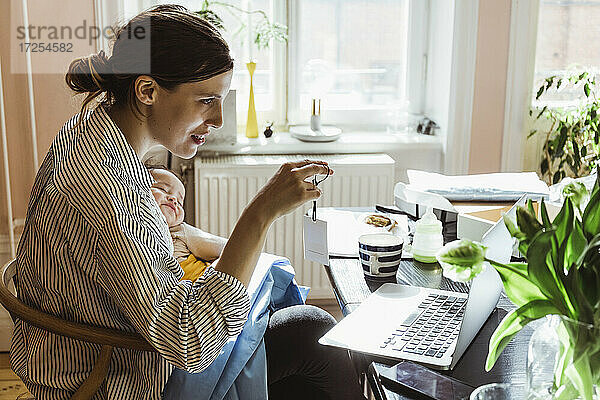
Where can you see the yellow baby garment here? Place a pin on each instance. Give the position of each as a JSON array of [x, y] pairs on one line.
[[193, 267]]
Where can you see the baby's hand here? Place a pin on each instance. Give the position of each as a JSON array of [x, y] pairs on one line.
[[203, 244]]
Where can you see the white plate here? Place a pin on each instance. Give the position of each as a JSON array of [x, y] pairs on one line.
[[395, 230], [327, 133]]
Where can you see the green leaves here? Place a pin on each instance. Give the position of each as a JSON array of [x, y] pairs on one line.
[[544, 214], [569, 234], [576, 191], [591, 215], [590, 257], [528, 228], [561, 140], [461, 260], [557, 177], [541, 271], [561, 276], [513, 323], [264, 31], [531, 133], [572, 136], [539, 93], [212, 17], [544, 166], [578, 367], [571, 248], [519, 289], [528, 223], [541, 112], [589, 261]]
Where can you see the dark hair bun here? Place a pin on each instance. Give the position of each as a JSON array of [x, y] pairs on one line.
[[90, 74], [177, 46]]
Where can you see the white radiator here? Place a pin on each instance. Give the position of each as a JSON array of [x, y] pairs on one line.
[[225, 185]]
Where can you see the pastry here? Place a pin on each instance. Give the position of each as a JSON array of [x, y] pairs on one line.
[[378, 220]]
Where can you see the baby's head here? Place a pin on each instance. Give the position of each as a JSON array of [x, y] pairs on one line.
[[169, 192]]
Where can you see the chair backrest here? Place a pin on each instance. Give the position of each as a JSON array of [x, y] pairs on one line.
[[51, 323]]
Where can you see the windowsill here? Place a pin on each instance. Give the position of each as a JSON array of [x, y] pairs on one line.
[[558, 104], [349, 142]]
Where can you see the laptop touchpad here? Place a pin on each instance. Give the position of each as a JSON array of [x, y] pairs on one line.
[[394, 291]]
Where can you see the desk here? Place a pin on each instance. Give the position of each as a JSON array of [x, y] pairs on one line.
[[351, 288]]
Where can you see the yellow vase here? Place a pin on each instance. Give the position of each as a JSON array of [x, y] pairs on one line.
[[251, 123]]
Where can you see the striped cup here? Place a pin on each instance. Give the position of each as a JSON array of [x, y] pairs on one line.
[[380, 254]]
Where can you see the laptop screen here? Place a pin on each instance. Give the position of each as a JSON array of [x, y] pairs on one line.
[[486, 287], [497, 238]]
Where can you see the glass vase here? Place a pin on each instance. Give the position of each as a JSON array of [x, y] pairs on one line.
[[563, 361]]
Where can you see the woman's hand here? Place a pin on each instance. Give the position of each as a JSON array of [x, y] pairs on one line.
[[288, 188], [284, 192]]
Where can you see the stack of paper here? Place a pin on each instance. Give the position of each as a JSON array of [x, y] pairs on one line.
[[482, 187], [344, 228]]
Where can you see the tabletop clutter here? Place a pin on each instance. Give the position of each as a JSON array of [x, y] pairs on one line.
[[411, 228], [474, 202]]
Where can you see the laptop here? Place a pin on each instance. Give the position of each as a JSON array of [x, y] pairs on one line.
[[429, 326]]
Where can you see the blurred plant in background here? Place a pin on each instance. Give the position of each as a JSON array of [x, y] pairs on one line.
[[571, 145], [262, 32]]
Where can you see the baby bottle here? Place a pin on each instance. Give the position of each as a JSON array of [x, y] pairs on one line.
[[428, 238]]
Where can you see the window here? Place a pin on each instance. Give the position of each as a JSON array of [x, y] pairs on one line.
[[238, 40], [567, 41], [351, 53]]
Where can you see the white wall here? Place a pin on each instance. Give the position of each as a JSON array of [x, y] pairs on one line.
[[441, 24]]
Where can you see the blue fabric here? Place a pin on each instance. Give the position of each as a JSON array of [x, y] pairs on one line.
[[240, 370]]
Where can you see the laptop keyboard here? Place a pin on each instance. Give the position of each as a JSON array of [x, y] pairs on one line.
[[431, 328]]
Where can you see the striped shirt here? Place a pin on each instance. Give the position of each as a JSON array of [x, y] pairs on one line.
[[97, 250]]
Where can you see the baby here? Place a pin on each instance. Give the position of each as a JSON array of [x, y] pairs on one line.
[[194, 249]]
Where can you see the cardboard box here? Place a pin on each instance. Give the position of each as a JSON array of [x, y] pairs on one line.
[[473, 224], [473, 219], [553, 208]]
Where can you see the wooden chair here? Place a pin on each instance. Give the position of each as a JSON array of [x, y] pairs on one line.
[[108, 338]]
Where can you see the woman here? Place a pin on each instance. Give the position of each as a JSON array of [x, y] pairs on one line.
[[96, 250]]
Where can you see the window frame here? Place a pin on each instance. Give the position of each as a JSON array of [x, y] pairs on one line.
[[519, 83], [284, 111], [371, 119]]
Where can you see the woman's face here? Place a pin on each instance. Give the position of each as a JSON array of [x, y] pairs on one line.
[[169, 192], [182, 117]]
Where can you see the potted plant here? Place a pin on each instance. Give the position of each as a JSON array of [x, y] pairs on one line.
[[262, 33], [572, 134], [561, 277]]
